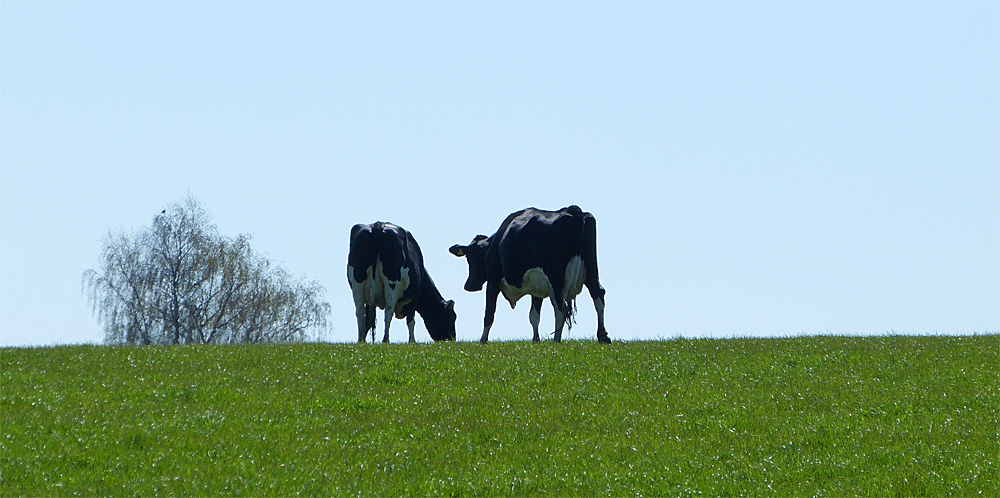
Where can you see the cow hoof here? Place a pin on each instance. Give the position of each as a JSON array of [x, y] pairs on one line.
[[483, 341], [604, 339]]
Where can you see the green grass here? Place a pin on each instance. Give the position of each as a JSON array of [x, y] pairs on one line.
[[811, 416]]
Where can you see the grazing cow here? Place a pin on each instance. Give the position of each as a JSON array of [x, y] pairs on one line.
[[386, 269], [542, 253]]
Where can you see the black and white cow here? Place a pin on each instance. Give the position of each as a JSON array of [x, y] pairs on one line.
[[386, 269], [549, 254]]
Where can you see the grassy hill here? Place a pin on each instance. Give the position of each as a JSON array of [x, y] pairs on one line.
[[816, 416]]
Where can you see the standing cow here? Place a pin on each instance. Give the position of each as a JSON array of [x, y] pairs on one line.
[[386, 269], [549, 254]]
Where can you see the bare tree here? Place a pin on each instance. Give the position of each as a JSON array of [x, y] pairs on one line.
[[180, 282]]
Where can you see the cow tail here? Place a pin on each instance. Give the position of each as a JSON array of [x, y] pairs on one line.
[[580, 229], [576, 243]]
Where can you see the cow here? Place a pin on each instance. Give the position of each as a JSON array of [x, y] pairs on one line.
[[386, 270], [540, 253]]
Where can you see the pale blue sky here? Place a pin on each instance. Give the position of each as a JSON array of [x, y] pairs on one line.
[[777, 168]]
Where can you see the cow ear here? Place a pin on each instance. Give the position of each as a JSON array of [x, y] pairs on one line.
[[457, 250]]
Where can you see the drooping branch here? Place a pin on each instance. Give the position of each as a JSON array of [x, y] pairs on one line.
[[179, 282]]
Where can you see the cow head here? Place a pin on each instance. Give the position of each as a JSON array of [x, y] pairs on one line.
[[441, 324], [475, 254]]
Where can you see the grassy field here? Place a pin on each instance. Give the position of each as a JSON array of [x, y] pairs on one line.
[[811, 416]]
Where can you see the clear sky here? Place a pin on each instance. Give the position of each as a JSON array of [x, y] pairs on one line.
[[756, 169]]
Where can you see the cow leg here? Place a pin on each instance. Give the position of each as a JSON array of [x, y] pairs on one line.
[[388, 320], [593, 282], [370, 320], [535, 316], [390, 307], [561, 316], [492, 293], [360, 311], [562, 308], [410, 323], [597, 292], [602, 333]]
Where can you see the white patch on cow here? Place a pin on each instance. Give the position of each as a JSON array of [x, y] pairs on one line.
[[534, 282], [390, 292], [576, 275]]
